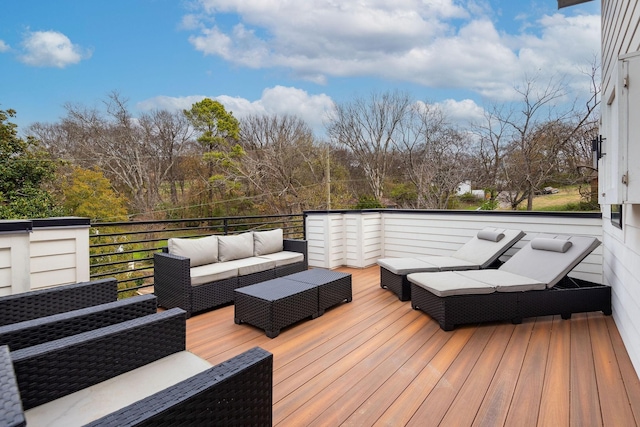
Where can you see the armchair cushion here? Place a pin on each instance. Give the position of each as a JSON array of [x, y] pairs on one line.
[[235, 247], [267, 242], [199, 251], [118, 392]]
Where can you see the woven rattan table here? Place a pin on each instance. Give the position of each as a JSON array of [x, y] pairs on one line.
[[277, 303], [333, 287]]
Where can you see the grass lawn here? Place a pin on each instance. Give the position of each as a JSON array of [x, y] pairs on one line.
[[563, 197]]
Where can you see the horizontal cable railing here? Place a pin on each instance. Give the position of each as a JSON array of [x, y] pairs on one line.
[[124, 250]]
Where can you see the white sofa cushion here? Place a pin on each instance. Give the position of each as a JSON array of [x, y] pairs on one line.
[[89, 404], [199, 251], [212, 273], [267, 242], [235, 247], [251, 265], [284, 258]]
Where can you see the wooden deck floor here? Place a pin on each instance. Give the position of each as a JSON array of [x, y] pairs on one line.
[[375, 361]]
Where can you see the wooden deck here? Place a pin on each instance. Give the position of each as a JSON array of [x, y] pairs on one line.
[[375, 361]]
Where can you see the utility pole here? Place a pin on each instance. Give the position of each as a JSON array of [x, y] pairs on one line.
[[328, 174]]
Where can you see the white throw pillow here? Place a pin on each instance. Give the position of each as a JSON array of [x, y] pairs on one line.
[[267, 242], [199, 251], [235, 247]]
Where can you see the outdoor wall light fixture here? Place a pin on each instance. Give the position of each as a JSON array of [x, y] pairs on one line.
[[596, 149]]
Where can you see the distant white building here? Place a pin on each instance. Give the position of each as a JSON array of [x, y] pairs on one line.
[[464, 188]]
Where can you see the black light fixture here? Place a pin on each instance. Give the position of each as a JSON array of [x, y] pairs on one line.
[[596, 150]]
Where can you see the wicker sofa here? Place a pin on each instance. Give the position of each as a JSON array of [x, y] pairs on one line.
[[136, 372], [199, 274]]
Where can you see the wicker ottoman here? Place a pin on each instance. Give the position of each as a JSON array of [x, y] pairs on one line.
[[275, 304], [333, 287]]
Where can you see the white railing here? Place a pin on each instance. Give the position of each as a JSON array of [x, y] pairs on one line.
[[358, 238], [41, 253]]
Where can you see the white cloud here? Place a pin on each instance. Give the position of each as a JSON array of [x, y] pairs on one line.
[[4, 47], [461, 112], [276, 100], [436, 43], [51, 49]]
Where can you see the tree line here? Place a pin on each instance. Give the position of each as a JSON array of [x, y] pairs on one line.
[[382, 149]]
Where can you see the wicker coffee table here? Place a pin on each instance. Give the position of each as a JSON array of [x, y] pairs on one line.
[[277, 303], [333, 287]]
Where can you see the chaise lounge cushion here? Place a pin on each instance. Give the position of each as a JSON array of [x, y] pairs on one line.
[[402, 266], [449, 283], [118, 392], [235, 247], [267, 242], [212, 272], [486, 247], [479, 252], [548, 266], [504, 281], [199, 251]]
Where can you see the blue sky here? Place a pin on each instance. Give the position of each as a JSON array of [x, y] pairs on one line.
[[284, 56]]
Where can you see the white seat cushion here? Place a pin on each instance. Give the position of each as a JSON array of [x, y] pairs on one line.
[[284, 258], [212, 273], [251, 265], [94, 402], [450, 283]]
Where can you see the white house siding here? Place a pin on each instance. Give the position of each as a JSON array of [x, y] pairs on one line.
[[621, 266], [326, 240], [14, 268]]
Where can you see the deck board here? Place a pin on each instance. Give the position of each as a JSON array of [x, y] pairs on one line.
[[375, 361]]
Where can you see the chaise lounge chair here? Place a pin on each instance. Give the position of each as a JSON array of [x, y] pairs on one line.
[[482, 251], [533, 282]]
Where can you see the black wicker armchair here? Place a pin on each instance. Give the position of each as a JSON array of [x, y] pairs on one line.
[[236, 392], [45, 302]]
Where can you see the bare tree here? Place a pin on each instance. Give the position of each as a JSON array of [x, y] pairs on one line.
[[282, 162], [137, 155], [522, 148], [369, 127], [435, 155]]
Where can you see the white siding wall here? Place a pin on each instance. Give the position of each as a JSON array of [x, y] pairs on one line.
[[58, 256], [14, 265], [41, 256], [621, 35]]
